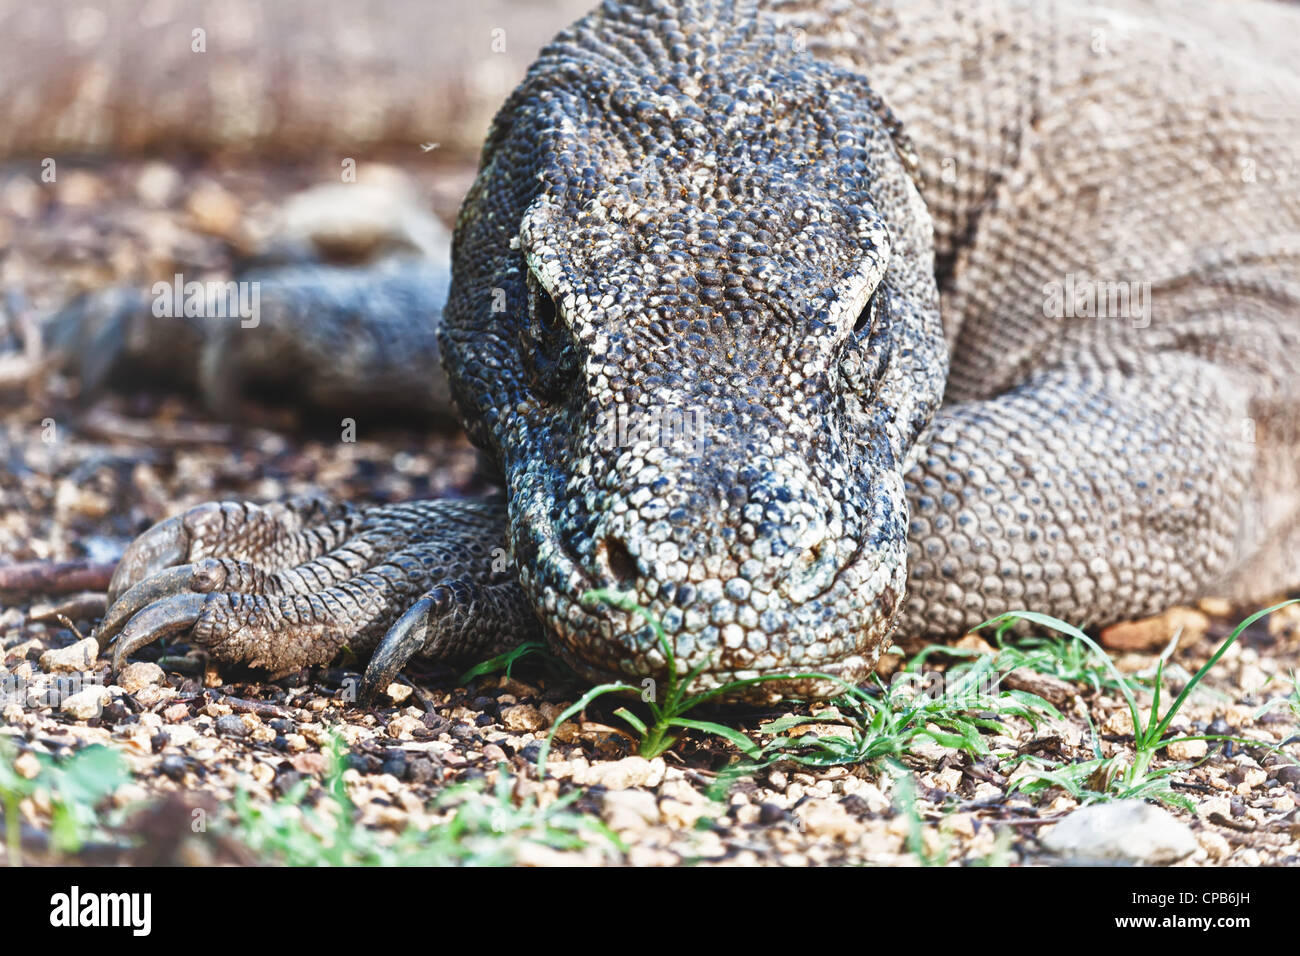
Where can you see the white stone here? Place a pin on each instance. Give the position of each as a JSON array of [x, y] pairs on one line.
[[81, 656], [141, 674], [1127, 831], [86, 704]]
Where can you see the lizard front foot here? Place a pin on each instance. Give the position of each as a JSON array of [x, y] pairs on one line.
[[291, 585]]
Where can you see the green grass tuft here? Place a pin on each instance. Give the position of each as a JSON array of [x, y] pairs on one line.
[[666, 714], [484, 829], [886, 725], [1115, 778], [75, 787], [507, 660]]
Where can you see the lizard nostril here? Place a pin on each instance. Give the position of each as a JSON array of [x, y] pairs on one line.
[[618, 561]]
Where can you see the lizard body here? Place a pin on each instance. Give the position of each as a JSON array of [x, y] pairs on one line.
[[854, 253]]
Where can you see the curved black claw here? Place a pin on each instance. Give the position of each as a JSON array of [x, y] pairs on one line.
[[163, 545], [166, 583], [403, 641], [156, 621]]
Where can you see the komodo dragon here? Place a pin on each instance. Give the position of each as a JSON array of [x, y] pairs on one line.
[[808, 323]]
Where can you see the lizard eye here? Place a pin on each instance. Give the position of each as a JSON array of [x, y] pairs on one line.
[[867, 317], [866, 354], [549, 355], [545, 314]]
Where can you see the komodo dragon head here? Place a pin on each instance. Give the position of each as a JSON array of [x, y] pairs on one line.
[[694, 320]]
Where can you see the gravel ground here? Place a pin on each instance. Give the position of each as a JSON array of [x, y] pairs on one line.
[[195, 737]]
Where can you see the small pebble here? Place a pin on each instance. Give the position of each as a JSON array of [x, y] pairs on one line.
[[436, 723], [86, 704], [404, 726], [27, 765], [522, 717], [176, 713], [1187, 749], [394, 763], [532, 751], [139, 675], [421, 770], [1219, 728], [633, 810], [231, 725], [157, 184], [81, 656], [361, 763], [285, 781], [628, 772], [114, 712]]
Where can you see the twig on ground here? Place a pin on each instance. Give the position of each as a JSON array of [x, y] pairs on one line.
[[56, 577]]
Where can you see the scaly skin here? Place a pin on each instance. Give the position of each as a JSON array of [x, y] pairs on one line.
[[700, 209]]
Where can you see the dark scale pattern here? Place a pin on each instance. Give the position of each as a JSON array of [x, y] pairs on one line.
[[705, 213]]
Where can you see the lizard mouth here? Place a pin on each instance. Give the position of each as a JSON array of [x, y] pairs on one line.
[[832, 618]]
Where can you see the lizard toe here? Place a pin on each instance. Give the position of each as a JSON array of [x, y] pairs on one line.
[[201, 577], [286, 587], [165, 544], [166, 583], [402, 642], [432, 626], [160, 619]]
